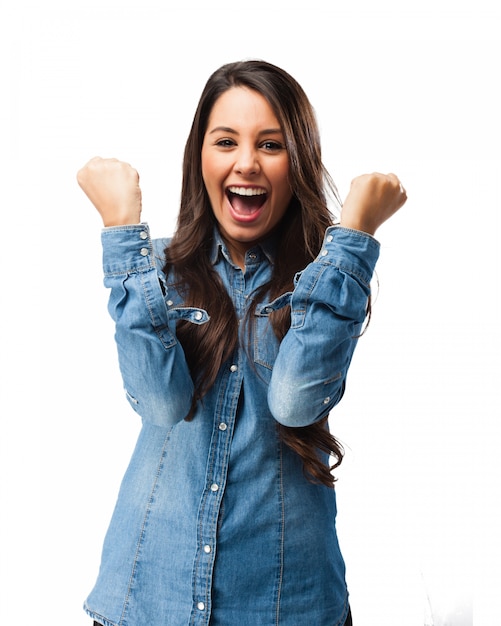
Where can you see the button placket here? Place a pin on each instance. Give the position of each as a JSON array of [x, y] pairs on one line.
[[216, 478], [229, 383]]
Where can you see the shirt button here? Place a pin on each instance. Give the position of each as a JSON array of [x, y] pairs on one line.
[[324, 252], [200, 606], [144, 251], [198, 315], [169, 303], [252, 257], [214, 487], [327, 400], [329, 238], [233, 368], [222, 426], [143, 234], [207, 549]]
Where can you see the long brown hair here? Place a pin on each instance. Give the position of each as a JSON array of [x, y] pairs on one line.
[[299, 240]]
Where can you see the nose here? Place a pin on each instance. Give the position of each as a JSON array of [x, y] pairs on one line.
[[246, 162]]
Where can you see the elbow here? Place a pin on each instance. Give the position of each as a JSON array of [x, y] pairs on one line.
[[290, 415], [161, 410], [298, 406]]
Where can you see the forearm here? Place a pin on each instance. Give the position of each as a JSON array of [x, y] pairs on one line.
[[152, 362], [328, 309]]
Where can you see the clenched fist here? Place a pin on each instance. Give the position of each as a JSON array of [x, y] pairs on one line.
[[372, 199], [113, 188]]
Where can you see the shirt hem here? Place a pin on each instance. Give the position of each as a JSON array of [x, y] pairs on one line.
[[100, 619]]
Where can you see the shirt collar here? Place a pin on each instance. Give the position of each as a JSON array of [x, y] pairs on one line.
[[266, 248]]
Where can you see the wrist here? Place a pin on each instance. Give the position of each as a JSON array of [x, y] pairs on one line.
[[121, 220], [355, 224]]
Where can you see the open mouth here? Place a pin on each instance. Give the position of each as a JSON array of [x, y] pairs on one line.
[[246, 201]]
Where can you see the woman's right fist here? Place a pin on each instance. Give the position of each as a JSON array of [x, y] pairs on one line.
[[113, 188]]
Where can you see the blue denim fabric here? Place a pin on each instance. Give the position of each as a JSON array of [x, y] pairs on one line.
[[215, 522]]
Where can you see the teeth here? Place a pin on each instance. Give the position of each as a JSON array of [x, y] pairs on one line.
[[247, 191]]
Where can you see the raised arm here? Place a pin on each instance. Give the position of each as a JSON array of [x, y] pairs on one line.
[[329, 305], [156, 377]]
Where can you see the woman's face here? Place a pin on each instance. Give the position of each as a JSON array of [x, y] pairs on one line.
[[245, 169]]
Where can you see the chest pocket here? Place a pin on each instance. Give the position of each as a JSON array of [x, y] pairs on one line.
[[265, 342]]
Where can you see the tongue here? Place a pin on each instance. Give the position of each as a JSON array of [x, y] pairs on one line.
[[246, 204]]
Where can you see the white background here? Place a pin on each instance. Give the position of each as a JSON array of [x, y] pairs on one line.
[[409, 88]]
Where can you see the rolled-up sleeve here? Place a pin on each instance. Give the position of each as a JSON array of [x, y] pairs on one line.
[[155, 374], [328, 309]]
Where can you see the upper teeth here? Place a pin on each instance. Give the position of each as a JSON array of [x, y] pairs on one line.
[[247, 191]]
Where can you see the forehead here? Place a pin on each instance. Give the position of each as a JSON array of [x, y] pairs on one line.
[[241, 107]]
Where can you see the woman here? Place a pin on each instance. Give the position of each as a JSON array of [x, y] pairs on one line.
[[234, 341]]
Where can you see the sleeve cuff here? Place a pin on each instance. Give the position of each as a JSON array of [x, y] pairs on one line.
[[352, 251], [126, 249]]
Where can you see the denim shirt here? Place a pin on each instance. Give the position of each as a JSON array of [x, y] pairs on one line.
[[215, 522]]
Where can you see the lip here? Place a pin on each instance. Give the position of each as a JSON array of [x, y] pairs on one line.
[[245, 218]]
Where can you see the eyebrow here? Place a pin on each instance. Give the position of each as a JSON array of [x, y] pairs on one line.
[[227, 129]]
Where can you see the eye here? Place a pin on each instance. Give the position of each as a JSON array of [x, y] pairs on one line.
[[272, 146], [225, 143]]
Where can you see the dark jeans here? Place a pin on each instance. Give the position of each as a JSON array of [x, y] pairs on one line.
[[348, 622]]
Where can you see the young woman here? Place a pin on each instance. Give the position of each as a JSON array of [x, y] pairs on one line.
[[234, 342]]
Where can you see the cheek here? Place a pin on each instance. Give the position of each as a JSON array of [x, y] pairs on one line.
[[205, 171], [212, 186], [207, 166], [212, 176], [281, 177]]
